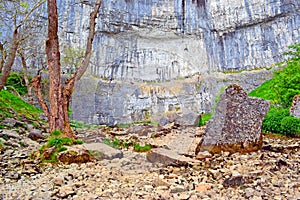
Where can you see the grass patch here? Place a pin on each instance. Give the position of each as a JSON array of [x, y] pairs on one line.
[[13, 106], [265, 91], [56, 144]]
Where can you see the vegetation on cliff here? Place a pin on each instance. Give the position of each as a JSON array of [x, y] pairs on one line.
[[280, 90]]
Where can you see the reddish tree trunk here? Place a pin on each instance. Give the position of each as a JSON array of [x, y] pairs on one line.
[[60, 97], [56, 115]]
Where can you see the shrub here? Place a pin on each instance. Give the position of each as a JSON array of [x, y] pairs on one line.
[[290, 125], [287, 79], [272, 121]]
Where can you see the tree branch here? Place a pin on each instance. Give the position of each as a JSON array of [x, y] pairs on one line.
[[36, 82]]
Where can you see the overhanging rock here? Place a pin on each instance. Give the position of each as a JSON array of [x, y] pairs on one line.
[[236, 124]]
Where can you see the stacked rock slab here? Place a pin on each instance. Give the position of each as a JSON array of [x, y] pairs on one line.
[[295, 108], [236, 124]]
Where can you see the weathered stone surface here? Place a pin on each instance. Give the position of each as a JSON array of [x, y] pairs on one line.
[[74, 154], [35, 134], [168, 157], [181, 118], [295, 108], [236, 124], [104, 150]]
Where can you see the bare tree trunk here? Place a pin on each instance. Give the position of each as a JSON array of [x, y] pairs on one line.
[[3, 55], [72, 82], [11, 59], [27, 83], [56, 114]]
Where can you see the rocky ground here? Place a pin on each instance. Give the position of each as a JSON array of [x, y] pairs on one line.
[[271, 173]]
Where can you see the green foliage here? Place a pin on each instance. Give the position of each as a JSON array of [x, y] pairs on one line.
[[56, 133], [272, 121], [14, 106], [24, 4], [290, 125], [70, 111], [59, 142], [5, 137], [285, 83], [281, 89], [139, 148], [15, 81], [1, 145], [78, 141], [204, 119], [287, 79], [266, 91], [116, 143]]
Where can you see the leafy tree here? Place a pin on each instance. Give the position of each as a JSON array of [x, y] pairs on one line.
[[287, 79], [18, 13], [60, 94]]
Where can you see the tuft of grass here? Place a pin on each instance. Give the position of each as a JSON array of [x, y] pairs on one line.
[[205, 118], [139, 148]]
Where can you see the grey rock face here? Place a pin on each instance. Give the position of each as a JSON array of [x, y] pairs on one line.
[[295, 109], [102, 102], [236, 125], [162, 40]]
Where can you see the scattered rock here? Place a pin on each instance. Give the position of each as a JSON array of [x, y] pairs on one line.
[[58, 181], [168, 157], [236, 124], [9, 134], [35, 135], [74, 154], [202, 187], [203, 154], [65, 191], [103, 151]]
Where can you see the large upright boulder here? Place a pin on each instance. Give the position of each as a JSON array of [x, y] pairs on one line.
[[295, 108], [236, 124]]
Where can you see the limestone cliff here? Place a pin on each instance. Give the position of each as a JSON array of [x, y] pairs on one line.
[[166, 43], [162, 40]]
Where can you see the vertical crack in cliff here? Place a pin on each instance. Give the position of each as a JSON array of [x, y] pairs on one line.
[[183, 16]]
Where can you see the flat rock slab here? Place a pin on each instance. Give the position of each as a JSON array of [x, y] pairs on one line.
[[182, 142], [236, 124], [105, 151], [169, 157]]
